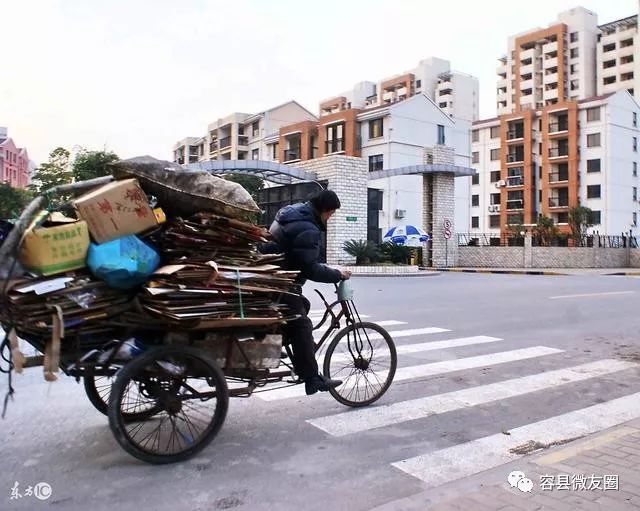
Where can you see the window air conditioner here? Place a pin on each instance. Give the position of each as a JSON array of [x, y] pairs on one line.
[[400, 213]]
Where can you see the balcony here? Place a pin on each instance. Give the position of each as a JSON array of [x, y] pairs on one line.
[[213, 146], [526, 69], [558, 202], [550, 94], [550, 47], [515, 134], [558, 152], [243, 140], [292, 154], [558, 176], [550, 78], [225, 142], [515, 181], [515, 205], [550, 62], [334, 146], [558, 126], [526, 84], [515, 157]]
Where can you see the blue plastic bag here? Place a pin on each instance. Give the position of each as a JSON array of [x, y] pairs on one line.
[[123, 263]]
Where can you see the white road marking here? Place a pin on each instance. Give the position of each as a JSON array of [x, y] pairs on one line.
[[424, 370], [364, 419], [469, 458], [406, 349], [589, 295], [390, 322], [395, 334]]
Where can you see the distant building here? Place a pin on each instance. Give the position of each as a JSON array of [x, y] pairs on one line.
[[14, 162]]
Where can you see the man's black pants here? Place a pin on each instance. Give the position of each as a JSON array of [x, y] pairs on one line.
[[299, 333]]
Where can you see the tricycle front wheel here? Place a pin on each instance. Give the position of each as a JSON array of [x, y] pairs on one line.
[[189, 393], [362, 355]]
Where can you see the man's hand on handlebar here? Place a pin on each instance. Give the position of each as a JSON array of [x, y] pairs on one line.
[[345, 274]]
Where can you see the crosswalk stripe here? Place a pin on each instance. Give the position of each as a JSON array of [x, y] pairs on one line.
[[390, 322], [407, 349], [395, 334], [459, 364], [370, 418], [318, 317], [476, 456], [419, 371]]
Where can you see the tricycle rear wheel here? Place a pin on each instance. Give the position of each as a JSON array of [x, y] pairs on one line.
[[191, 395]]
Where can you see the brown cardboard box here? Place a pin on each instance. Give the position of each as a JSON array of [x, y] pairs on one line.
[[116, 209], [51, 250]]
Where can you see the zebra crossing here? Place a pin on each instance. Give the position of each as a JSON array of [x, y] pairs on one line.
[[467, 458]]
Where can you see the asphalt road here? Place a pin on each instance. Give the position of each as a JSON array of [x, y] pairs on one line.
[[298, 453]]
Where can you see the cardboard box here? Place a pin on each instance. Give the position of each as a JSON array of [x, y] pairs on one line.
[[51, 250], [116, 209]]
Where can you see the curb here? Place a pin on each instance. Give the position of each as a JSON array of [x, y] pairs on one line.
[[420, 274], [623, 274], [504, 272]]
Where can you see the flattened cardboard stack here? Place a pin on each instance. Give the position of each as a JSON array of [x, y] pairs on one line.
[[216, 278]]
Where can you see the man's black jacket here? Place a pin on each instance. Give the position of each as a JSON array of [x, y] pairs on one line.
[[297, 232]]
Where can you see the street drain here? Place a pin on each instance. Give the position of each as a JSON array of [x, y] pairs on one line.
[[532, 445]]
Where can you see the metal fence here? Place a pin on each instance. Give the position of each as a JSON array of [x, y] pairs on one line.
[[517, 240]]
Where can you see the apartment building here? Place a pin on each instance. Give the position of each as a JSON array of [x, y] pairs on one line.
[[242, 136], [14, 162], [545, 66], [454, 92], [582, 153], [617, 66]]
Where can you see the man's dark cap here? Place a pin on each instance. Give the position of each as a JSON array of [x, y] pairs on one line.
[[325, 200]]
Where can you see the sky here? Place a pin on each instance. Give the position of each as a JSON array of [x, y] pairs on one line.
[[135, 76]]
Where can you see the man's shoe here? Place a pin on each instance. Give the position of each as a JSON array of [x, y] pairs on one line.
[[319, 383]]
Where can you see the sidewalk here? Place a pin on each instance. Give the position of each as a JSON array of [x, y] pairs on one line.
[[598, 472], [547, 271]]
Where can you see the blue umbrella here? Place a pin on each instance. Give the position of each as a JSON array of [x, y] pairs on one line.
[[408, 235]]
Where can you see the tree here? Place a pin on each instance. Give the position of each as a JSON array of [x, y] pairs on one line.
[[365, 252], [91, 164], [580, 219], [545, 230], [252, 184], [53, 173], [13, 200]]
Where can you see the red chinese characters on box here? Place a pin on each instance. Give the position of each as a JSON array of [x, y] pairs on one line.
[[116, 209]]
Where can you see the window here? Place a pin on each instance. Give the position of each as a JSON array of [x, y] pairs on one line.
[[475, 200], [574, 68], [574, 53], [495, 154], [418, 84], [593, 165], [274, 151], [609, 47], [609, 63], [635, 193], [635, 169], [495, 176], [494, 198], [255, 129], [596, 218], [255, 154], [593, 114], [635, 120], [626, 76], [475, 157], [635, 144], [593, 191], [634, 221], [375, 128], [375, 162], [573, 37], [475, 136], [593, 140], [563, 218], [334, 142], [440, 134], [626, 59], [442, 105], [475, 179], [609, 79], [494, 221], [626, 42], [475, 222], [495, 131]]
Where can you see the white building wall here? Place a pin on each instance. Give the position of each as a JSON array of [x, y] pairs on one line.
[[485, 166], [585, 23], [620, 68]]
